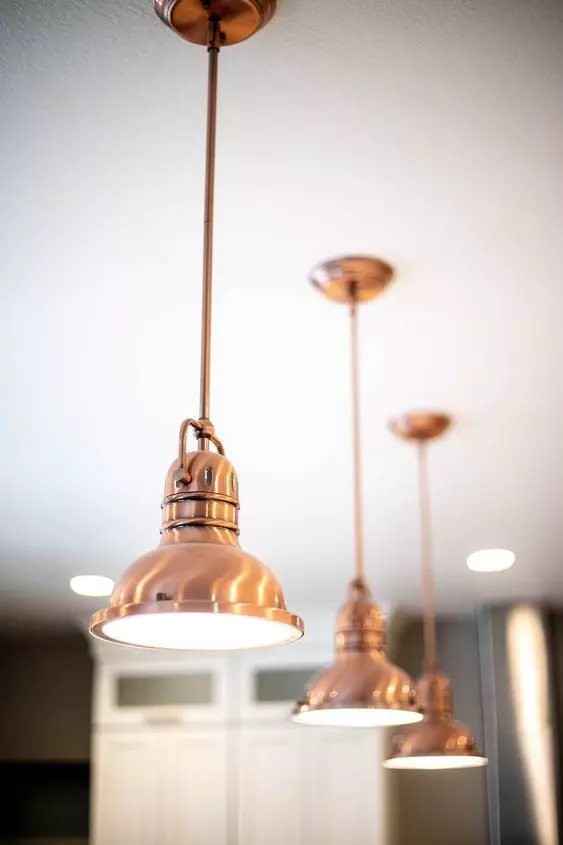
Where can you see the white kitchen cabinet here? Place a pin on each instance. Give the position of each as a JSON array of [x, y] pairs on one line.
[[271, 781], [155, 691], [200, 750], [271, 682], [160, 787], [197, 790], [310, 785], [344, 773], [127, 788]]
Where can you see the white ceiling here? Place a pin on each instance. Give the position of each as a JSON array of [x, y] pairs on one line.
[[426, 131]]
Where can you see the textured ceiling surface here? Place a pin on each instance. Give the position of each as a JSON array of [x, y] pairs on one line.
[[426, 131]]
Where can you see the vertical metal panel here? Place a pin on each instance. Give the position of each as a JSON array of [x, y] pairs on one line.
[[519, 708]]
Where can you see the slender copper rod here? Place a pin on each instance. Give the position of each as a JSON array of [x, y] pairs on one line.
[[358, 514], [428, 586], [214, 41]]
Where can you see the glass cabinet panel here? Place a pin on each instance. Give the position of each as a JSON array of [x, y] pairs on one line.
[[164, 690], [282, 683]]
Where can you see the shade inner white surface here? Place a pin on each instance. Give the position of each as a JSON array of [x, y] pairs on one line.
[[352, 717], [436, 762], [199, 631]]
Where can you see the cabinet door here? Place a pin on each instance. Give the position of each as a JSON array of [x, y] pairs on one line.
[[196, 788], [271, 682], [346, 781], [125, 805], [270, 796], [159, 692]]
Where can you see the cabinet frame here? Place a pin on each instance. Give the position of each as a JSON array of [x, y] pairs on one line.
[[108, 712]]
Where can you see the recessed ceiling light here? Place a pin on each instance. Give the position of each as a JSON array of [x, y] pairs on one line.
[[491, 560], [92, 585]]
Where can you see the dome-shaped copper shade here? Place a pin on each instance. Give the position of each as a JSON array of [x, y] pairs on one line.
[[198, 589], [439, 741], [361, 688]]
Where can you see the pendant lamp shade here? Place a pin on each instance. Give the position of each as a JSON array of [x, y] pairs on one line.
[[439, 741], [361, 688], [198, 589]]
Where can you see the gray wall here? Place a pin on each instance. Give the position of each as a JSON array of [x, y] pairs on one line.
[[45, 704], [442, 808]]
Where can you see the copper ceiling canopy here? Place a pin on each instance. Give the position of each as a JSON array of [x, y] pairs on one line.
[[239, 18]]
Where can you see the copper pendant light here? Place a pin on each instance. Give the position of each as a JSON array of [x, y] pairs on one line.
[[439, 741], [361, 688], [198, 589]]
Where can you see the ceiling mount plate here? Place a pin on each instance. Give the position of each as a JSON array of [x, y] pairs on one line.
[[352, 278], [420, 425], [239, 18]]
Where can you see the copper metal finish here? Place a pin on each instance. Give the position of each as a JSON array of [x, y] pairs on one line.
[[199, 565], [239, 18], [420, 425], [361, 678], [354, 278], [356, 443], [213, 44], [428, 583], [439, 736], [204, 430]]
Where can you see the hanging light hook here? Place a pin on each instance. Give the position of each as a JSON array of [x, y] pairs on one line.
[[203, 428]]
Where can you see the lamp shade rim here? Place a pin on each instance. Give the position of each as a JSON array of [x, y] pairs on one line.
[[413, 715], [415, 761], [360, 705], [360, 716], [282, 617]]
